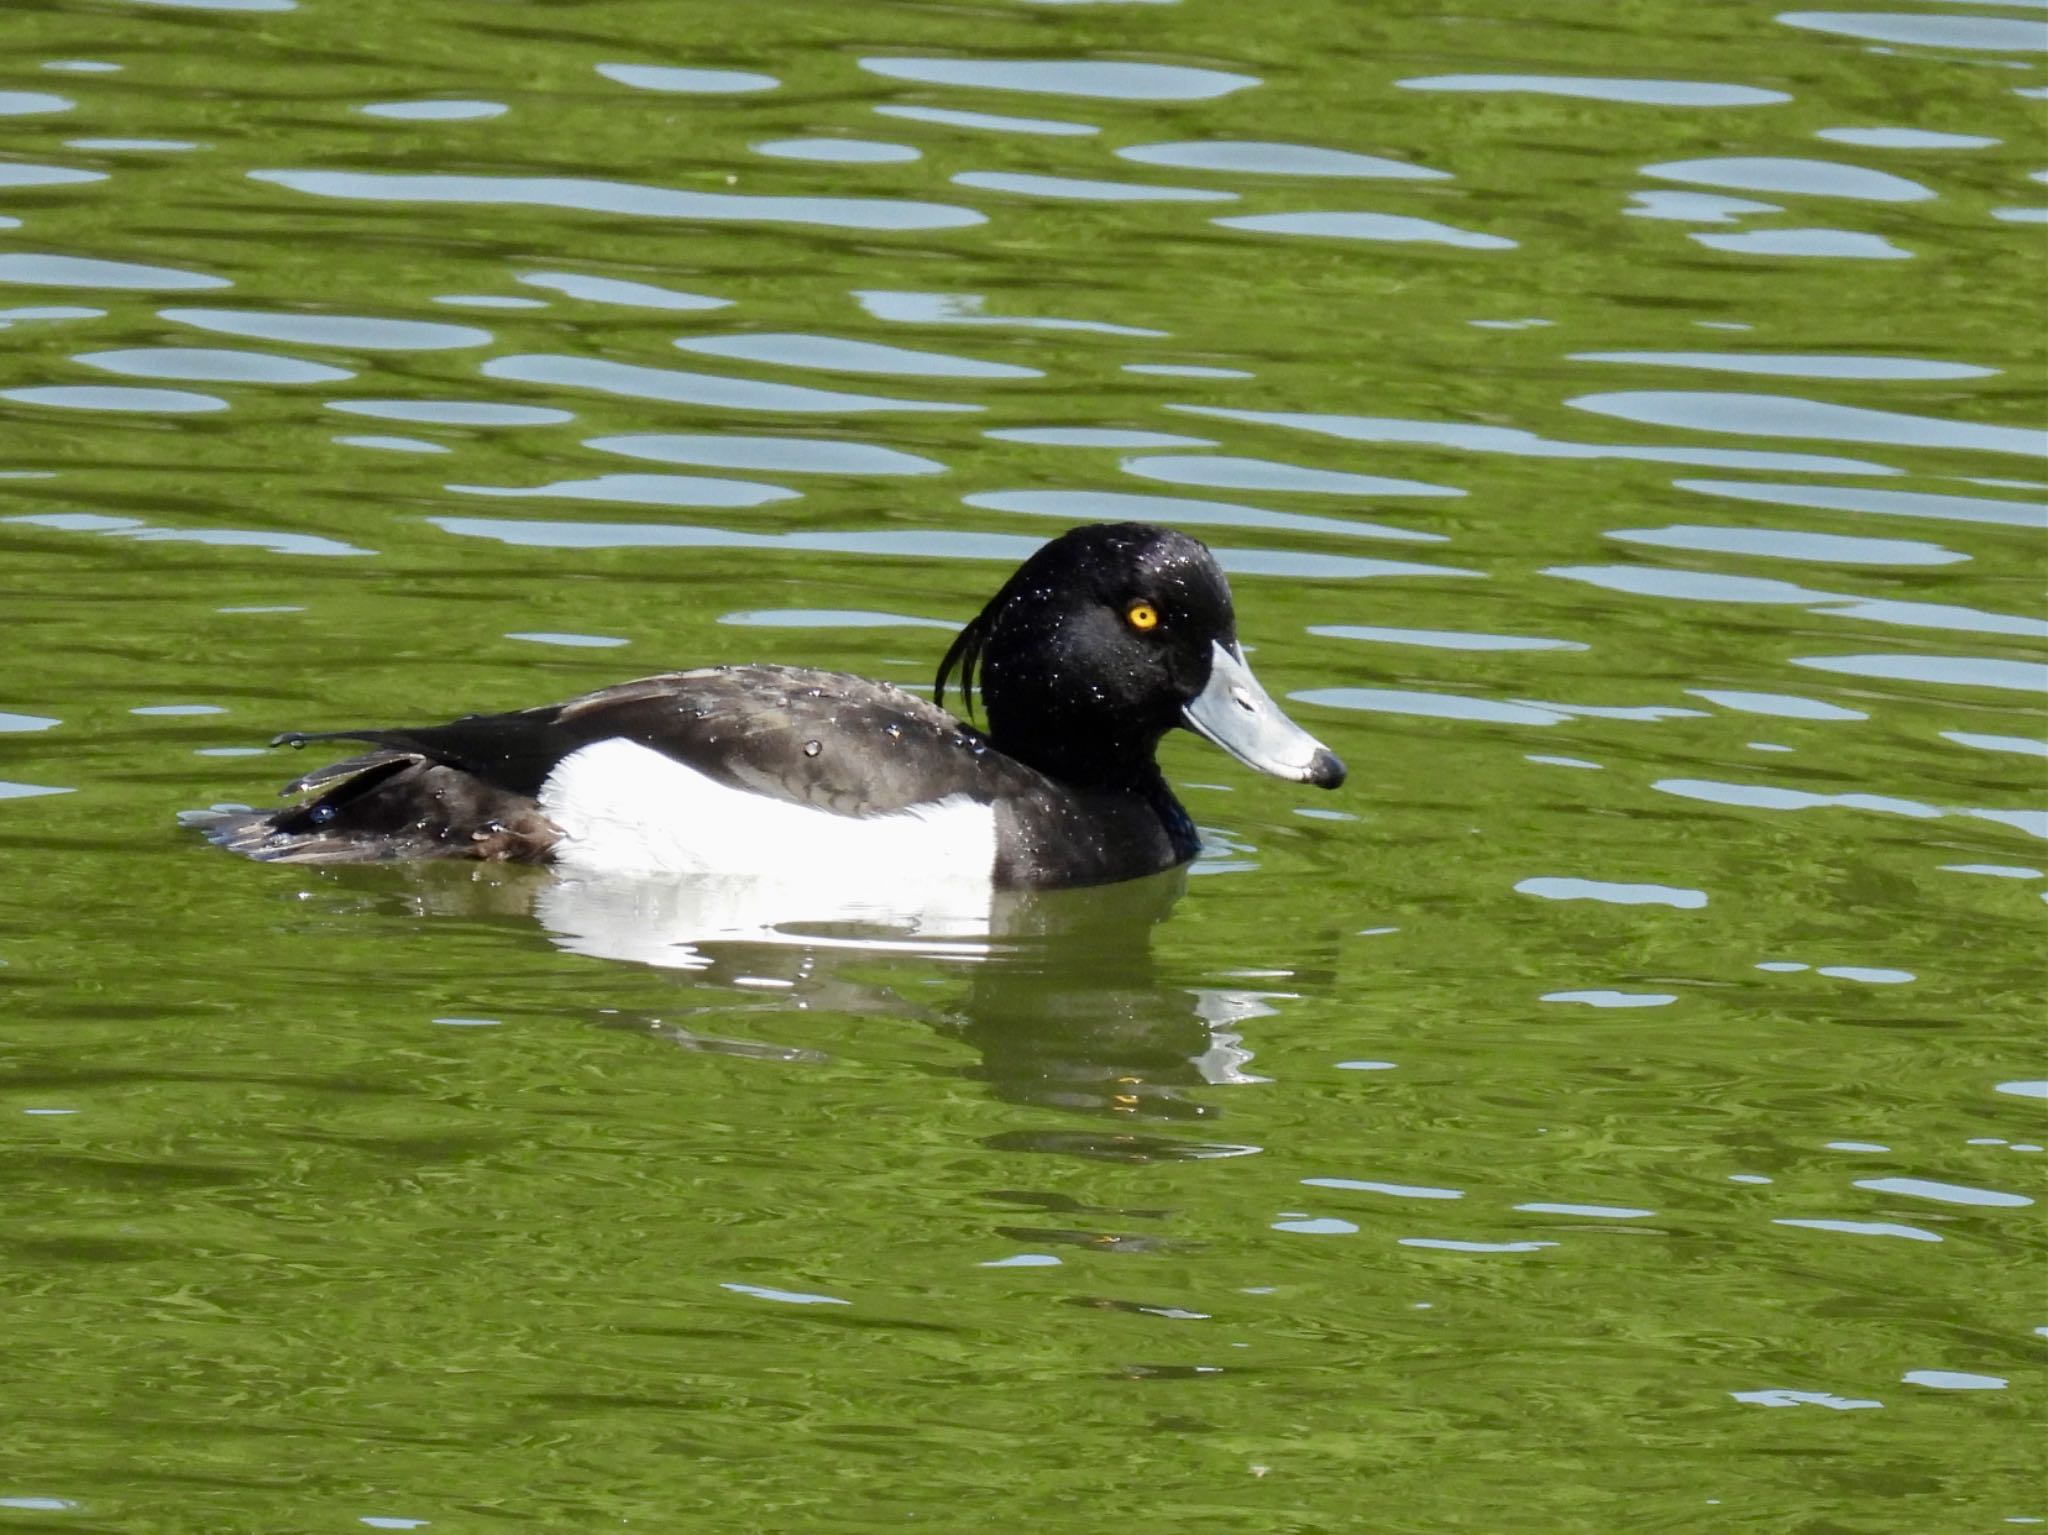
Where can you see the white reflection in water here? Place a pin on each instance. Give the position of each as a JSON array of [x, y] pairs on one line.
[[351, 332], [1864, 1229], [990, 121], [1773, 797], [47, 271], [1796, 365], [1773, 415], [104, 397], [664, 923], [17, 174], [688, 82], [435, 111], [1811, 178], [384, 444], [680, 388], [29, 103], [1245, 156], [1879, 503], [1552, 888], [1844, 243], [1955, 1380], [1115, 505], [1904, 138], [1695, 207], [276, 542], [1094, 437], [28, 312], [615, 290], [836, 354], [1079, 189], [1785, 544], [838, 151], [1990, 33], [927, 543], [1471, 438], [454, 412], [630, 199], [1446, 1244], [1687, 585], [212, 365], [2020, 744], [1393, 227], [1778, 705], [1945, 1193], [1397, 1190], [1216, 472], [1447, 706], [781, 455], [1183, 370], [1099, 79], [1653, 93], [137, 146], [830, 618], [968, 309], [645, 490], [1441, 639], [1778, 1396], [1958, 671]]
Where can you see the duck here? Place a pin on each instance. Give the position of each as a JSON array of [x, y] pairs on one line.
[[1105, 639]]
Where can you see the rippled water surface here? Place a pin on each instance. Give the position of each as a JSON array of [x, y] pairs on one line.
[[1619, 1107]]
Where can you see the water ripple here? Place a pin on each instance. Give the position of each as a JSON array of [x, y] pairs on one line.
[[347, 332], [784, 455], [990, 121], [1651, 93], [1214, 472], [710, 389], [614, 290], [1471, 438], [644, 490], [1260, 158], [687, 82], [47, 271], [1988, 33], [1785, 544], [834, 354], [208, 365], [1116, 505], [1792, 177], [632, 199], [1392, 227], [1772, 415], [1783, 365], [1092, 78], [1079, 189], [1880, 503], [1552, 888]]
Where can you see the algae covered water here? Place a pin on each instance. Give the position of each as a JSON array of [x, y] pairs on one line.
[[1620, 1106]]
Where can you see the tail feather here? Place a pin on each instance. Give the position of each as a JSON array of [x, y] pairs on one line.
[[383, 804]]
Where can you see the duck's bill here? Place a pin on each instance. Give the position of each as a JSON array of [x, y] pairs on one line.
[[1239, 716]]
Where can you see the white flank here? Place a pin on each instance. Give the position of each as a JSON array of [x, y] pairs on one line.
[[625, 808]]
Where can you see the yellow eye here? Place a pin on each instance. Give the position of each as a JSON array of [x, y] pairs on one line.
[[1142, 616]]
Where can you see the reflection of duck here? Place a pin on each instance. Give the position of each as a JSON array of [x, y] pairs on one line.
[[1061, 1000], [1057, 991], [1105, 639]]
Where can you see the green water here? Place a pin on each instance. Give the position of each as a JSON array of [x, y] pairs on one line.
[[1618, 1108]]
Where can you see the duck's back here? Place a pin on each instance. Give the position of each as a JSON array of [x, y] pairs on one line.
[[742, 770]]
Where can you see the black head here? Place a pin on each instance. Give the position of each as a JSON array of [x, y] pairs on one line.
[[1107, 638]]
